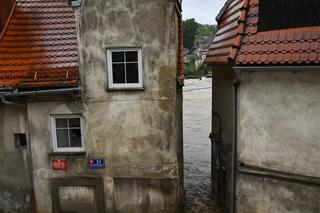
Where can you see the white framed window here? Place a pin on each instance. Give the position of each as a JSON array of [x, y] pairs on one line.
[[67, 133], [125, 68]]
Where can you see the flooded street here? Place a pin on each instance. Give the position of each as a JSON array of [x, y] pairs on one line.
[[197, 148]]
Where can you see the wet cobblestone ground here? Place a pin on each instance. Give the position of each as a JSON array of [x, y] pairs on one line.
[[197, 148]]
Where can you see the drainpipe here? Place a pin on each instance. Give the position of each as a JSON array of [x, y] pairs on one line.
[[4, 101], [235, 85]]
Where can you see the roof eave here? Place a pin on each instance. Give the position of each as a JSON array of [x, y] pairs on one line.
[[293, 67]]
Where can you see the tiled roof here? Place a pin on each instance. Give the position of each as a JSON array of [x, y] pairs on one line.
[[39, 45], [227, 41], [239, 41], [287, 46]]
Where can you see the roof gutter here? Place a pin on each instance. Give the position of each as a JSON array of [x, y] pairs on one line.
[[42, 92], [11, 94], [275, 68]]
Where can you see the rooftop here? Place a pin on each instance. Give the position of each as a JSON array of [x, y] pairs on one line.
[[38, 47], [240, 41]]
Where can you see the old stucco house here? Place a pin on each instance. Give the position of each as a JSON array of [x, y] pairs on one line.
[[91, 103], [266, 106]]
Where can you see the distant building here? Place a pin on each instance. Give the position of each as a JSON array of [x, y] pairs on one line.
[[91, 106], [201, 48], [266, 106]]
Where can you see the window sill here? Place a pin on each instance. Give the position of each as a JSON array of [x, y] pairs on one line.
[[125, 89], [67, 154]]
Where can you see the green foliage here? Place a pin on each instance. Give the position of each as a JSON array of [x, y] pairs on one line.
[[190, 28], [191, 70], [206, 30], [203, 70]]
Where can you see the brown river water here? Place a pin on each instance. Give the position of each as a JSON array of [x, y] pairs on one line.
[[197, 147]]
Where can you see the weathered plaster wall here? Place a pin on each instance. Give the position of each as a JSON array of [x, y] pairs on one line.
[[136, 131], [41, 144], [146, 195], [15, 178], [279, 119], [263, 195], [278, 128]]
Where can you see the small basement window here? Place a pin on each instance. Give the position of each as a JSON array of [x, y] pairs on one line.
[[67, 133], [20, 140], [124, 68], [284, 14]]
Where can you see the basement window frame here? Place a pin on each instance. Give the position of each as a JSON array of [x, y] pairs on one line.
[[57, 149], [110, 63], [18, 139]]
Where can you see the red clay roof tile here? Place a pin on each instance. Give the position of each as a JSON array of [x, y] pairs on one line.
[[229, 34], [286, 46], [39, 46], [297, 45]]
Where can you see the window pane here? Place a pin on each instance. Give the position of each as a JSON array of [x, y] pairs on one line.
[[132, 73], [132, 56], [74, 122], [61, 122], [62, 138], [75, 137], [118, 73], [117, 56]]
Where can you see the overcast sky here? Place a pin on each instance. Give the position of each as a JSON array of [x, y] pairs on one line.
[[204, 11]]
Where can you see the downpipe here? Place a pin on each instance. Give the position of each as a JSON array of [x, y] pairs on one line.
[[235, 85], [216, 169], [6, 102]]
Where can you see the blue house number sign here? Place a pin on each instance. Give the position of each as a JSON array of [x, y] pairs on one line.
[[96, 163]]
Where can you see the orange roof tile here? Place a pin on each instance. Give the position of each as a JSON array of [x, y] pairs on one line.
[[39, 45], [239, 41], [230, 29], [285, 46]]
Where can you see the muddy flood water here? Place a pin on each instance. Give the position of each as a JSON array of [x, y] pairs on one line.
[[197, 147]]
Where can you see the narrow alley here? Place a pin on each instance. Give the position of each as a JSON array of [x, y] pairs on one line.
[[197, 154]]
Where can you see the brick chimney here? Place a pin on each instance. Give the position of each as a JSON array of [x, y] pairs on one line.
[[5, 11]]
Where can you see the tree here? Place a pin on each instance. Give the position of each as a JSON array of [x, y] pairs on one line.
[[190, 28], [206, 30]]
